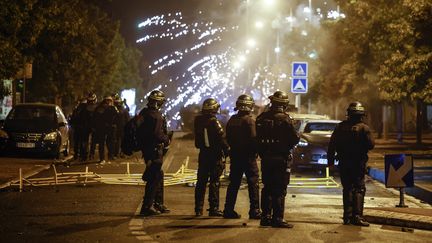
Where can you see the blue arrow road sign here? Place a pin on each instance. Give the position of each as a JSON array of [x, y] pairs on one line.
[[299, 85], [299, 69], [399, 170]]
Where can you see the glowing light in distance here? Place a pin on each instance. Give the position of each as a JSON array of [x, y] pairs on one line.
[[251, 42], [259, 24], [290, 19], [277, 49], [304, 33], [269, 3]]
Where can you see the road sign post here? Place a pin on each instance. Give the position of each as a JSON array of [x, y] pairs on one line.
[[299, 81], [399, 173]]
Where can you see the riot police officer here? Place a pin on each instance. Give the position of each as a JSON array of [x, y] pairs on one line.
[[84, 124], [241, 135], [276, 137], [121, 120], [154, 140], [210, 140], [103, 125], [350, 143]]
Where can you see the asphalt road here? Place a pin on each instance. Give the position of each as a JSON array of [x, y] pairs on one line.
[[100, 212]]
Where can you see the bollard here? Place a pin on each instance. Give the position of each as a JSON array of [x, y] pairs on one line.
[[20, 180], [127, 169], [327, 175]]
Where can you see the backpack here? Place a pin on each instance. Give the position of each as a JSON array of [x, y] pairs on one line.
[[131, 142]]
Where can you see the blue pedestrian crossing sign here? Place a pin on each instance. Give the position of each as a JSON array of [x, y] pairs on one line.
[[399, 171], [299, 69], [299, 85]]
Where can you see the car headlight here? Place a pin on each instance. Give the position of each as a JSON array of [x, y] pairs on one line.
[[3, 134], [51, 136], [303, 143]]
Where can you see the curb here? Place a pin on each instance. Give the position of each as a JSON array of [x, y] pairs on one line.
[[398, 219]]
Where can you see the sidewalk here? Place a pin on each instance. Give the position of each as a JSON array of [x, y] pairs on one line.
[[414, 216]]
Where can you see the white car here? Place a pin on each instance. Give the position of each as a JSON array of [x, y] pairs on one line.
[[311, 151]]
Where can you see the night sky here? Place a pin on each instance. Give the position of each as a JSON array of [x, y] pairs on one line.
[[132, 12]]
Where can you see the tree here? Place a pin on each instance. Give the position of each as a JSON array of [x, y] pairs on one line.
[[406, 72], [74, 45]]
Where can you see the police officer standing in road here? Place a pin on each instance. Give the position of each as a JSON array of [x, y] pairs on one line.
[[103, 125], [154, 141], [350, 143], [121, 120], [210, 140], [84, 124], [241, 137], [276, 137]]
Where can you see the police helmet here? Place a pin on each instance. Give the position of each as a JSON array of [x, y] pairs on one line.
[[91, 98], [279, 98], [116, 98], [244, 103], [156, 96], [210, 105], [355, 109]]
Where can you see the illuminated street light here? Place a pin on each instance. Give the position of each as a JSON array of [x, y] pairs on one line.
[[259, 24], [277, 49], [251, 43], [269, 3]]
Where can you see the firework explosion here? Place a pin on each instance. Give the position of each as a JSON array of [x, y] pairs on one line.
[[215, 75], [224, 74]]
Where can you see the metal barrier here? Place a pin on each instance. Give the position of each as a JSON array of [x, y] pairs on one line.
[[183, 175], [63, 178], [320, 182]]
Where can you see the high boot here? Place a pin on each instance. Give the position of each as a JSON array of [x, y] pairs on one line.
[[347, 205], [278, 213], [357, 218], [266, 207]]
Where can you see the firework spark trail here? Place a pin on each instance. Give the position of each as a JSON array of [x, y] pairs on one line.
[[216, 75], [210, 75]]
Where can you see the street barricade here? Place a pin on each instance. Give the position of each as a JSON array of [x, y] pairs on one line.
[[319, 182]]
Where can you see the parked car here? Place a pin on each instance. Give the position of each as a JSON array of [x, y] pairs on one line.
[[311, 151], [36, 127], [300, 118]]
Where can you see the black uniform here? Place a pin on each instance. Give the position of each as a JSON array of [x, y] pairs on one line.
[[76, 130], [103, 127], [276, 137], [351, 140], [153, 137], [210, 139], [241, 135], [121, 120], [84, 124]]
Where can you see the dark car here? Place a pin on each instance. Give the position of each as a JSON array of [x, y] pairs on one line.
[[311, 151], [36, 127]]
